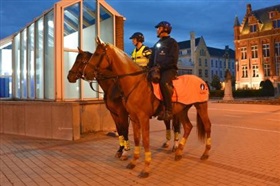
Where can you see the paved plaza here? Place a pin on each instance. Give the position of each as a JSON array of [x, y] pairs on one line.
[[239, 156]]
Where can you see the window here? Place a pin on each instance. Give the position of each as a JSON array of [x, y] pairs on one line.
[[39, 86], [216, 64], [255, 70], [49, 68], [23, 64], [271, 15], [254, 50], [243, 53], [276, 23], [206, 73], [30, 63], [212, 63], [199, 62], [244, 71], [200, 73], [277, 49], [253, 28], [277, 67], [265, 50], [202, 52], [266, 70], [206, 64]]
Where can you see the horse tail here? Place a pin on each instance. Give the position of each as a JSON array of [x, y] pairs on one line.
[[200, 128]]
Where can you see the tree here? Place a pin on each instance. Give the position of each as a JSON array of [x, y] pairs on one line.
[[216, 82], [267, 88]]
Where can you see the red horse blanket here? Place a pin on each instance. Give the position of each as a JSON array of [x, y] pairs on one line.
[[188, 89]]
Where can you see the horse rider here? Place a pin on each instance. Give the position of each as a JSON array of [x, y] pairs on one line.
[[141, 53], [165, 54]]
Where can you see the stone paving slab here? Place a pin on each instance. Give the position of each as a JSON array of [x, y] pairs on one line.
[[238, 157]]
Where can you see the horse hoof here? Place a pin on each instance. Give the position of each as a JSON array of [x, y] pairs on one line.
[[143, 175], [178, 157], [124, 158], [174, 149], [130, 166], [118, 154], [165, 145], [204, 157]]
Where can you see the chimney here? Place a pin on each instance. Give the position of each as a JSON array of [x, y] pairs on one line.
[[192, 43]]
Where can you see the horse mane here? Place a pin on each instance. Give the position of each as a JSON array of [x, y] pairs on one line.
[[123, 56]]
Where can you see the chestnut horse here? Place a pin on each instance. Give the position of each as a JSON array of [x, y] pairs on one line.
[[141, 103], [113, 102]]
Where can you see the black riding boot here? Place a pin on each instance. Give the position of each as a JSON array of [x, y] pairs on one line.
[[167, 114]]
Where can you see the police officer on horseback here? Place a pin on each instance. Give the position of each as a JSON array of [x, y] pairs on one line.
[[165, 54], [141, 53]]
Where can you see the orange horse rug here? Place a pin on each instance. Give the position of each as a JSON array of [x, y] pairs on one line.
[[188, 89]]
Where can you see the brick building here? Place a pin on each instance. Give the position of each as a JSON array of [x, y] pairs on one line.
[[257, 47]]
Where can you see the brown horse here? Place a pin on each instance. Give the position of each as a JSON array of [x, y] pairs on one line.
[[141, 103], [113, 102]]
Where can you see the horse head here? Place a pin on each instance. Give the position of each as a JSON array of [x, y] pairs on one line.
[[77, 70]]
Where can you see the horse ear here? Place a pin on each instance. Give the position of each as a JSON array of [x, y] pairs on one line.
[[80, 50], [98, 40]]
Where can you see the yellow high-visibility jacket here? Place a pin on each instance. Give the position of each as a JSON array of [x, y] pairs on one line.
[[141, 56]]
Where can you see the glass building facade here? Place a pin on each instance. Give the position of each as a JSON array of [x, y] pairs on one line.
[[34, 62]]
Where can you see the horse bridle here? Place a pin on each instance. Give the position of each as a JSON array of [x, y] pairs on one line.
[[97, 72]]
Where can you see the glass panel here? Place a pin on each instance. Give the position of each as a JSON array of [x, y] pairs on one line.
[[39, 59], [89, 35], [23, 64], [71, 26], [72, 90], [30, 66], [6, 71], [106, 23], [49, 55], [16, 44], [89, 20], [71, 40]]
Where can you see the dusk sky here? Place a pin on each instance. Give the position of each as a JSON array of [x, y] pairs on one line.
[[208, 18]]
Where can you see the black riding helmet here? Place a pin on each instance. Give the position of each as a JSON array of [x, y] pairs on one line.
[[166, 26], [139, 36]]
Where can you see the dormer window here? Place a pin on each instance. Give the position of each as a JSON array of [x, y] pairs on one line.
[[253, 28], [276, 23], [271, 14]]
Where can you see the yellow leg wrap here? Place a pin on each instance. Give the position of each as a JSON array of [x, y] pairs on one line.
[[183, 141], [137, 150], [176, 136], [168, 134], [121, 140], [148, 157], [208, 141], [126, 145]]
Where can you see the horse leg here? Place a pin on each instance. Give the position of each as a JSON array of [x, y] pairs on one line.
[[136, 153], [176, 128], [204, 127], [121, 138], [126, 143], [145, 126], [184, 119], [167, 134]]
